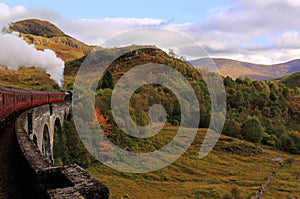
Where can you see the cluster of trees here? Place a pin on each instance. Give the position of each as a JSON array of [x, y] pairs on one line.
[[68, 148], [263, 111]]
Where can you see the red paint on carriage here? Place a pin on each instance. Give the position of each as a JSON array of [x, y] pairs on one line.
[[56, 97], [6, 102], [22, 99], [15, 100], [39, 98]]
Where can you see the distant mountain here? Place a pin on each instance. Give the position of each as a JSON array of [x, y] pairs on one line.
[[45, 35], [235, 69], [292, 80]]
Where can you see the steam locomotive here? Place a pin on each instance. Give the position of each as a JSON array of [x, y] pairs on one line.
[[13, 101]]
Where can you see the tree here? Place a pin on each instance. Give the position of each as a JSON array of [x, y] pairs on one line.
[[239, 80], [106, 151], [232, 128], [269, 140], [286, 143], [228, 81], [252, 129], [286, 93], [273, 96], [107, 81], [238, 99]]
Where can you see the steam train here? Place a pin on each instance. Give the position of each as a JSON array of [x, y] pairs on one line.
[[13, 101]]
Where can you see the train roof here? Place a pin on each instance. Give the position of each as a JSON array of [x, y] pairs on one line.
[[39, 92], [13, 90], [3, 88]]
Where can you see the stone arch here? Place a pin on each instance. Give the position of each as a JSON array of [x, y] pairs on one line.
[[69, 117], [58, 126], [65, 114], [46, 143], [35, 140], [59, 144]]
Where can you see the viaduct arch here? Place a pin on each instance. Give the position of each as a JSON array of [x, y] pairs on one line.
[[35, 130]]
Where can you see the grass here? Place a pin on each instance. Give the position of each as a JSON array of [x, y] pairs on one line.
[[211, 177], [27, 78], [286, 183], [45, 35], [66, 48], [292, 80]]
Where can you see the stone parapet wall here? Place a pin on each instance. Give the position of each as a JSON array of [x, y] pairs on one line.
[[70, 181]]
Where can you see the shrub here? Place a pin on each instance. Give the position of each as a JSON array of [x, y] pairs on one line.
[[252, 129]]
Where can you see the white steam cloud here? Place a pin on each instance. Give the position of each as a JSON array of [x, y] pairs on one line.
[[16, 52]]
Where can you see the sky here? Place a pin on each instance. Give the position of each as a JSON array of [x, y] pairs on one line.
[[265, 32], [179, 12]]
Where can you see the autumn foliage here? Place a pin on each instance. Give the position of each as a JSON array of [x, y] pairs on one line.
[[105, 149]]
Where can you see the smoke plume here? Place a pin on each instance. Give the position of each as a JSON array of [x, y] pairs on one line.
[[16, 52]]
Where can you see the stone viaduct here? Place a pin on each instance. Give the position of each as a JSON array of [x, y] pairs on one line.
[[35, 130]]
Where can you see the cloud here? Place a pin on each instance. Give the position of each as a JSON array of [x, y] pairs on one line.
[[289, 39], [15, 52], [260, 31], [16, 13], [263, 31]]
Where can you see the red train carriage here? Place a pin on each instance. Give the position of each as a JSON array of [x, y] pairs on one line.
[[15, 100], [6, 102], [56, 97], [22, 99], [39, 98]]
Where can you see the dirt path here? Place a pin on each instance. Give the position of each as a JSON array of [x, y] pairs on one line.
[[263, 188]]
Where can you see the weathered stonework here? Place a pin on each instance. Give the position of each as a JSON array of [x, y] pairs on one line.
[[70, 181]]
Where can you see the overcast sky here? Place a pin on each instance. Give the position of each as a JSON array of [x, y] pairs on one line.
[[260, 31]]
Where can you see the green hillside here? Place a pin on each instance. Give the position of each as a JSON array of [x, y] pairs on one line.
[[233, 168], [292, 80], [27, 78]]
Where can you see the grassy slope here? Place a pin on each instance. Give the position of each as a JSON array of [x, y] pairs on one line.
[[45, 35], [211, 177], [26, 78], [292, 80], [66, 48], [188, 177]]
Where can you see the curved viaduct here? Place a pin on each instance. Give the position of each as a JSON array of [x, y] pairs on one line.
[[35, 130], [40, 123]]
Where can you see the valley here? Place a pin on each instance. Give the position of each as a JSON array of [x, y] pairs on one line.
[[261, 131]]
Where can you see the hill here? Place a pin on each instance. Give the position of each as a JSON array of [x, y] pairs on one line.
[[292, 80], [235, 69], [234, 166], [37, 27], [27, 78], [143, 55], [45, 35]]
